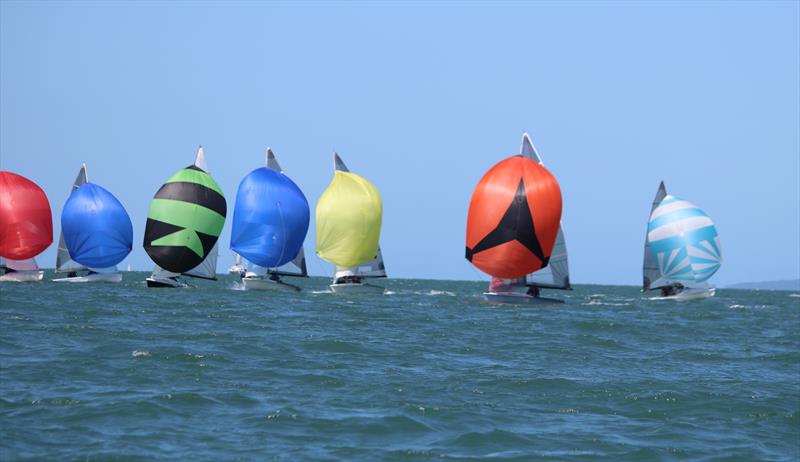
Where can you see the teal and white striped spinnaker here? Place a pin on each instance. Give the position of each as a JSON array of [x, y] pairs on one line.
[[684, 242]]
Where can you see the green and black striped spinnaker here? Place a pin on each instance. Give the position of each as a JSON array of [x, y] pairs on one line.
[[185, 220]]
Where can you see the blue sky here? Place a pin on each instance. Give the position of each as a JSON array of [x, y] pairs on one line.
[[422, 99]]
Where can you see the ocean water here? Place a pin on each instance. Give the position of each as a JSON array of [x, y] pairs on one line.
[[427, 372]]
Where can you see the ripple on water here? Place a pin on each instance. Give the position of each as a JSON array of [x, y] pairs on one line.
[[428, 372]]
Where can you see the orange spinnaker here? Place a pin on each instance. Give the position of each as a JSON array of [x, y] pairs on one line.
[[513, 218], [26, 223]]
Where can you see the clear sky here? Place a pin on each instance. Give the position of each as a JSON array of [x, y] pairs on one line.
[[422, 99]]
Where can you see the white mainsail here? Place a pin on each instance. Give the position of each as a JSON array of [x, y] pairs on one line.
[[556, 274], [369, 269], [651, 274], [207, 269], [64, 262]]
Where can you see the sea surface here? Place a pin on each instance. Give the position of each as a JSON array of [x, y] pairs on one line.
[[427, 372]]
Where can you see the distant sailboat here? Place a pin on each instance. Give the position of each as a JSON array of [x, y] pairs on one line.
[[184, 222], [238, 267], [681, 249], [514, 232], [96, 234], [349, 215], [270, 222], [27, 228]]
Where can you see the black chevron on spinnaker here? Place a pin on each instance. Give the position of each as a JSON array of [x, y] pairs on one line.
[[516, 224]]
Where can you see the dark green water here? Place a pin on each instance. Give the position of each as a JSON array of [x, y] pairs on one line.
[[428, 372]]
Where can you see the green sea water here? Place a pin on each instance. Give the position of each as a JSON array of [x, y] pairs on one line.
[[427, 372]]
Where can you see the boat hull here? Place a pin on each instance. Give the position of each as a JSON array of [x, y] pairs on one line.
[[97, 277], [690, 294], [156, 282], [518, 298], [22, 276], [356, 288], [266, 284]]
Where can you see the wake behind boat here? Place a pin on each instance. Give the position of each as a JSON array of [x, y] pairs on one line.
[[27, 228], [349, 215], [184, 222], [270, 223], [514, 232], [681, 250], [96, 234]]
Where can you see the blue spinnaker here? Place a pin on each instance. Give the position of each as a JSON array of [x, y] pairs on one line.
[[683, 241], [270, 219], [97, 229]]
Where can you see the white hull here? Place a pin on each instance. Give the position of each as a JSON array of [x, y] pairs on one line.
[[97, 277], [261, 283], [22, 276], [690, 294], [154, 281], [518, 298], [356, 288]]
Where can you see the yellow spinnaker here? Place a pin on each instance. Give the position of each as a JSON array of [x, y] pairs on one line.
[[349, 220]]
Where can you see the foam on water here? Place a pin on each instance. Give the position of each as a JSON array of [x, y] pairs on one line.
[[430, 372]]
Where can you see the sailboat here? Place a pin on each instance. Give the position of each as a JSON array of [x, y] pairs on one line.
[[27, 228], [514, 232], [96, 234], [681, 249], [270, 222], [183, 225], [349, 215], [238, 268]]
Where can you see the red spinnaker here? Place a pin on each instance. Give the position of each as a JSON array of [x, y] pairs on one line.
[[513, 218], [26, 223]]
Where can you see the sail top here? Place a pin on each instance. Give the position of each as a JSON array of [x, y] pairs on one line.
[[200, 160], [272, 162], [527, 149], [338, 163]]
